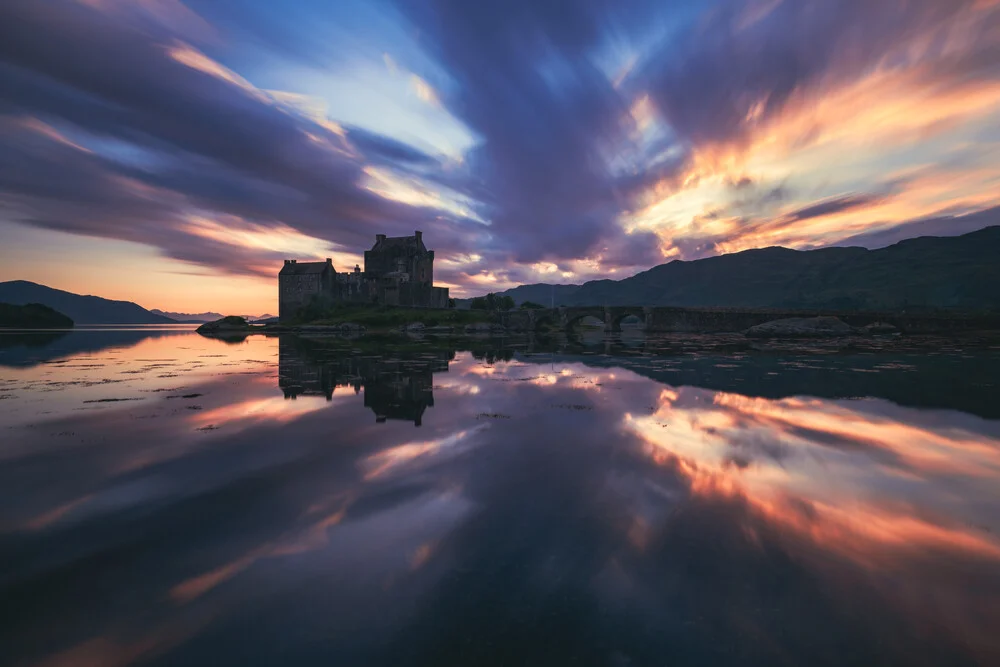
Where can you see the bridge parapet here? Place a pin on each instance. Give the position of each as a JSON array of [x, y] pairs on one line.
[[567, 317]]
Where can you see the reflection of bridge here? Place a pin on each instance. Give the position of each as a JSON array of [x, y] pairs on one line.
[[666, 319], [652, 319], [399, 388]]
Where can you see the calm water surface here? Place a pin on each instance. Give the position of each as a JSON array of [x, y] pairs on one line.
[[167, 499]]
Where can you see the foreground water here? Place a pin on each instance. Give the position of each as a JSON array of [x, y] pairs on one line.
[[167, 499]]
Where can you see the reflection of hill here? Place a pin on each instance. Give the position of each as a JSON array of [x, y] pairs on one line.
[[31, 349], [399, 387], [954, 382]]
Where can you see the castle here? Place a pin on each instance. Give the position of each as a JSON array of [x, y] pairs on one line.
[[399, 271]]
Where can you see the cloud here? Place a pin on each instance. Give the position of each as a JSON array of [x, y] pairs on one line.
[[835, 205], [206, 139], [384, 149], [547, 114], [731, 76], [606, 135]]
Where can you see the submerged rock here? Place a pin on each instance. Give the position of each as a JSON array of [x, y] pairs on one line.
[[801, 327]]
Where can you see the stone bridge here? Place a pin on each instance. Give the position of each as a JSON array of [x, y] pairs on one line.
[[668, 319], [567, 318]]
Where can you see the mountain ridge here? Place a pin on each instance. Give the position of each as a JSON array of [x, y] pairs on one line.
[[951, 272], [81, 308], [188, 317]]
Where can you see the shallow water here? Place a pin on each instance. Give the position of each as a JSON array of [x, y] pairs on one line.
[[170, 499]]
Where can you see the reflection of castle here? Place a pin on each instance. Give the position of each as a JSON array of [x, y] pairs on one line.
[[397, 388]]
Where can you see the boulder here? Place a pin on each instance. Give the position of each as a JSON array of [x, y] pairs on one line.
[[880, 328], [801, 327]]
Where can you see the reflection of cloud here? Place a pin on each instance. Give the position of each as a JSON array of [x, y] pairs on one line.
[[390, 460], [635, 510], [187, 591], [274, 409], [859, 473], [45, 520], [876, 536], [313, 537]]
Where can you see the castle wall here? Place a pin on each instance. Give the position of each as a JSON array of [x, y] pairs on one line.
[[295, 291], [423, 269]]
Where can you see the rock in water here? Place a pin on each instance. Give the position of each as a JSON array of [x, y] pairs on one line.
[[880, 328], [227, 325], [801, 327], [352, 329]]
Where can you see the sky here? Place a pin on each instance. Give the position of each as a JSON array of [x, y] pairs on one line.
[[173, 153]]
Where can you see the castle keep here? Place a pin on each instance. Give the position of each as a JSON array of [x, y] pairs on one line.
[[399, 271]]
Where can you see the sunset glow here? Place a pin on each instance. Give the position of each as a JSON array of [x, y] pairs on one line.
[[173, 153]]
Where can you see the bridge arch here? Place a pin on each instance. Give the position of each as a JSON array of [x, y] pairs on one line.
[[617, 315], [543, 320], [574, 316]]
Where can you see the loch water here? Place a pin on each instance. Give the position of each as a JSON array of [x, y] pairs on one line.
[[170, 499]]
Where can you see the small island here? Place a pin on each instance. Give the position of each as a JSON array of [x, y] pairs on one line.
[[32, 316]]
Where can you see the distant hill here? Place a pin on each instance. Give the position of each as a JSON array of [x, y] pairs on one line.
[[82, 309], [32, 316], [960, 272], [189, 317], [206, 317]]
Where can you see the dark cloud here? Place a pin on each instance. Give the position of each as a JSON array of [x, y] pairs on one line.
[[835, 205], [387, 149], [527, 85]]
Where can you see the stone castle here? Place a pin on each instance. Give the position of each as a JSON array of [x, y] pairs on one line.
[[399, 271]]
